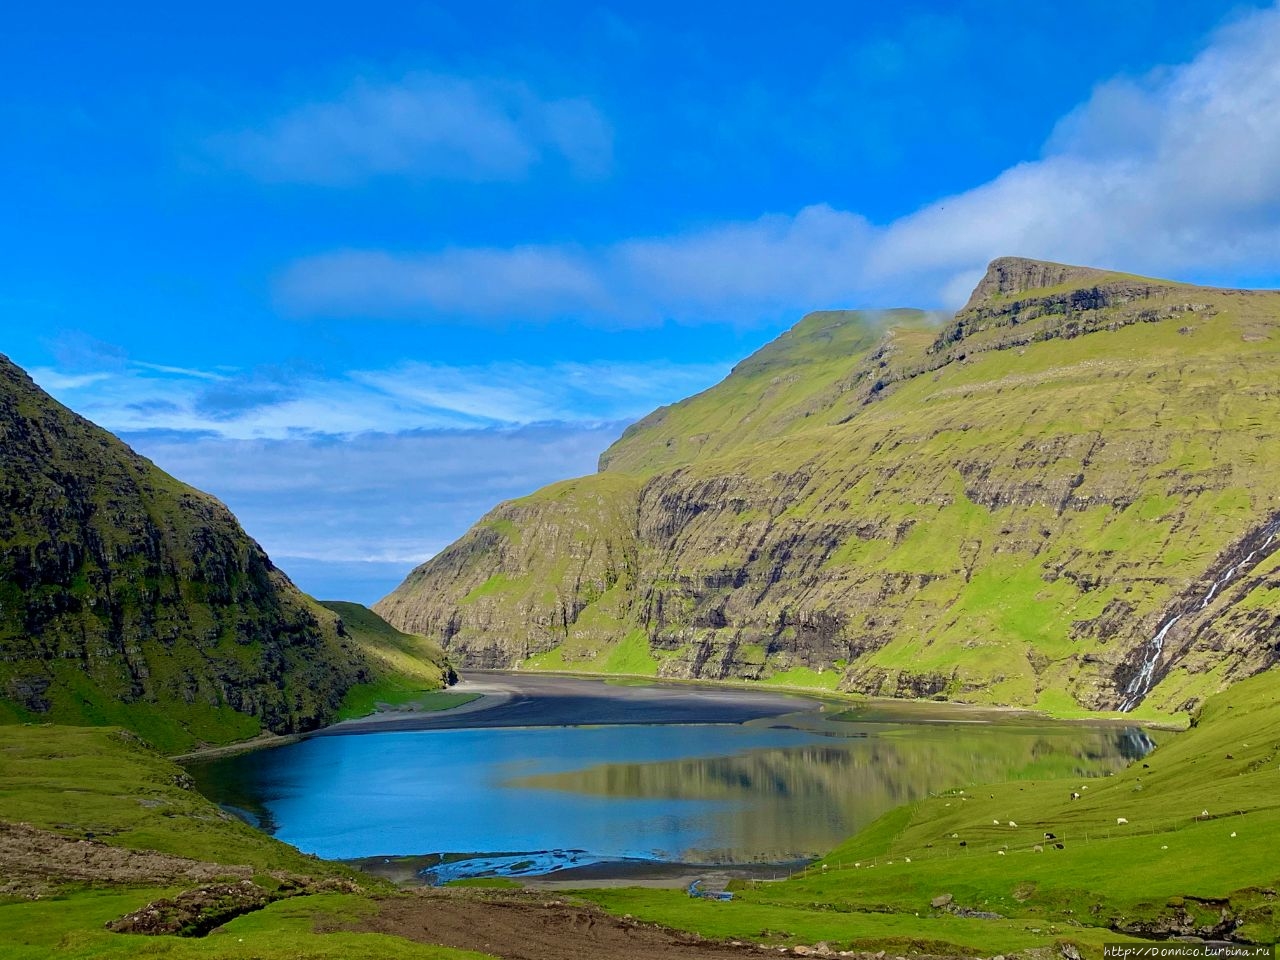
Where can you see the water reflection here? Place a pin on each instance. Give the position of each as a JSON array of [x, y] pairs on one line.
[[699, 794], [798, 801]]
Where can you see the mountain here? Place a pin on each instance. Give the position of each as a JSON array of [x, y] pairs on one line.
[[1063, 496], [127, 597]]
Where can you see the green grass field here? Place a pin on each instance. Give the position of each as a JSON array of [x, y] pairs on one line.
[[1201, 835], [105, 782]]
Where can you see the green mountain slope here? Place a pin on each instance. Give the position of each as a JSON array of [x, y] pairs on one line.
[[1006, 507], [127, 597]]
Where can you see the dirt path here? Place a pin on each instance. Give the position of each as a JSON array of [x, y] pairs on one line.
[[33, 862], [520, 927]]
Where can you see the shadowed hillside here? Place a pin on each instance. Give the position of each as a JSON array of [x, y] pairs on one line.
[[128, 597]]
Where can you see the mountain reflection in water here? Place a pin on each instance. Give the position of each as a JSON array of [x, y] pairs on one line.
[[761, 792], [785, 803]]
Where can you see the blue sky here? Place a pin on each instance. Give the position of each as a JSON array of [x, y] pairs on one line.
[[364, 271]]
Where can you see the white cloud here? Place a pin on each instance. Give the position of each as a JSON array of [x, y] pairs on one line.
[[281, 402], [425, 126], [378, 500], [1177, 172], [532, 282]]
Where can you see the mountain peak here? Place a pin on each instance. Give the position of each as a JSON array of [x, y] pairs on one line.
[[1013, 275]]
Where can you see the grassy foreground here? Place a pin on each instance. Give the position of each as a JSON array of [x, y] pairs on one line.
[[1186, 839], [1182, 842], [106, 784]]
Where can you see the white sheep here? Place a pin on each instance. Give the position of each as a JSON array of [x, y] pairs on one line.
[[1012, 824], [1121, 820]]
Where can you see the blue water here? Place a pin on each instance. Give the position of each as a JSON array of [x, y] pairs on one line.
[[532, 799], [456, 790]]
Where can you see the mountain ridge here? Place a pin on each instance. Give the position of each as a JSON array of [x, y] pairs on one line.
[[129, 597], [914, 510]]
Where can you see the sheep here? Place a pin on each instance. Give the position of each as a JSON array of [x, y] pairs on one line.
[[1059, 846], [1074, 795], [1120, 820], [1050, 836], [1012, 824], [996, 822], [999, 853], [1037, 849]]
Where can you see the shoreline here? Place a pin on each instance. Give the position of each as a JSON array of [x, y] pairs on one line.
[[493, 693], [409, 871]]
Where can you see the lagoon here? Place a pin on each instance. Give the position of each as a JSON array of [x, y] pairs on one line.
[[782, 780]]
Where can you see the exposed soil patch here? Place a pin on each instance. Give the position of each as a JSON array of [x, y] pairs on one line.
[[194, 913], [520, 926], [33, 862]]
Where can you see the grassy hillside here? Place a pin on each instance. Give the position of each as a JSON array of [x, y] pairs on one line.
[[403, 666], [129, 598], [1180, 844], [95, 825], [1004, 508], [556, 569]]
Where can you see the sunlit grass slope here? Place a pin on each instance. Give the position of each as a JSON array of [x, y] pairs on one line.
[[1182, 841], [1003, 507], [104, 784]]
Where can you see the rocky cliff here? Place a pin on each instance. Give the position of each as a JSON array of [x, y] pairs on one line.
[[1008, 507], [128, 597]]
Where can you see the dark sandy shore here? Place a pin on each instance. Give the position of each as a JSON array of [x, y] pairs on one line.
[[531, 700]]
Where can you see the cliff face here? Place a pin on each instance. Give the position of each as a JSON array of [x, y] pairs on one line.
[[128, 597], [1007, 508]]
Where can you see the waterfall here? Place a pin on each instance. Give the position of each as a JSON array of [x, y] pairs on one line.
[[1140, 685]]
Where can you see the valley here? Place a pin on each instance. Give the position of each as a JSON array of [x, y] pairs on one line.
[[955, 581]]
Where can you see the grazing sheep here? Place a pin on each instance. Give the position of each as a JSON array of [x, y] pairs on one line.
[[1038, 849], [1012, 824], [1059, 846], [1233, 833], [1121, 820], [996, 822], [1050, 836], [1000, 853], [1074, 795], [964, 843]]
